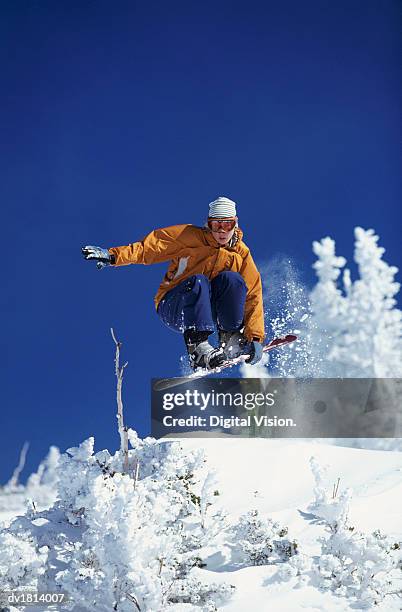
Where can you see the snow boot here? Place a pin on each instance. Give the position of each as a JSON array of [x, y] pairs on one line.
[[233, 343], [202, 354]]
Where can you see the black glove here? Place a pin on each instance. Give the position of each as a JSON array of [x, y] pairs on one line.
[[100, 255]]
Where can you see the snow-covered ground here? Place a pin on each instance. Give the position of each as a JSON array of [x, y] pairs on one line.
[[6, 516], [274, 477]]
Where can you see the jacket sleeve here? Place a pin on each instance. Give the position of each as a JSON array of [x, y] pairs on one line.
[[254, 309], [158, 246]]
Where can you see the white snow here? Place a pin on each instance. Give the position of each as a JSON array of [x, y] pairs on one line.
[[39, 490], [273, 478], [279, 471]]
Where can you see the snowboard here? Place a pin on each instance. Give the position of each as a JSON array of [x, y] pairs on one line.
[[168, 383]]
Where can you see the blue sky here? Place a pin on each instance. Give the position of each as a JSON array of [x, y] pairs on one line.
[[121, 117]]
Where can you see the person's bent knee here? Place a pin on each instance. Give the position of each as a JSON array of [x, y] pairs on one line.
[[199, 279], [232, 277]]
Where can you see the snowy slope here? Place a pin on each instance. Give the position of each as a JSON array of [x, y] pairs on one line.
[[279, 471], [274, 477], [7, 516]]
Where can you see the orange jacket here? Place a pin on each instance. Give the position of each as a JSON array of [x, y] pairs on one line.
[[194, 250]]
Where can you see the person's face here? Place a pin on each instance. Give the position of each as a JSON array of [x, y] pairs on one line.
[[222, 229]]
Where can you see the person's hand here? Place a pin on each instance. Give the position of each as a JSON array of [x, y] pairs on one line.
[[255, 351], [100, 255]]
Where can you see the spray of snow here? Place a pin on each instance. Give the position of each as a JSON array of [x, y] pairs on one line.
[[287, 311]]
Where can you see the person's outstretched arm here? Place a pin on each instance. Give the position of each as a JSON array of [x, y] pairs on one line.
[[158, 246]]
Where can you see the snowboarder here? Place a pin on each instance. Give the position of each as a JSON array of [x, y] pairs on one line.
[[212, 281]]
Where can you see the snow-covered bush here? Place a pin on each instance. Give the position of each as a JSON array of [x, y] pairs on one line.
[[361, 566], [22, 561], [262, 540], [364, 567], [116, 542], [328, 506], [194, 591], [298, 566]]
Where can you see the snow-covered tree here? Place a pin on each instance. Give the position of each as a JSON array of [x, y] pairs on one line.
[[46, 474], [328, 302], [40, 489], [356, 327]]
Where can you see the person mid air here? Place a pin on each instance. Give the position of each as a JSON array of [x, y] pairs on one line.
[[212, 283]]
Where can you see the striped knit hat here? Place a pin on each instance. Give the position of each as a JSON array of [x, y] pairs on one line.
[[221, 208]]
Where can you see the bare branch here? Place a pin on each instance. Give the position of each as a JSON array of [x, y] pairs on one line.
[[120, 420], [335, 489], [13, 482], [136, 472], [113, 336], [125, 450], [133, 600]]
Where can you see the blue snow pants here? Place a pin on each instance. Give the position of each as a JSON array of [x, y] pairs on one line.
[[200, 304]]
